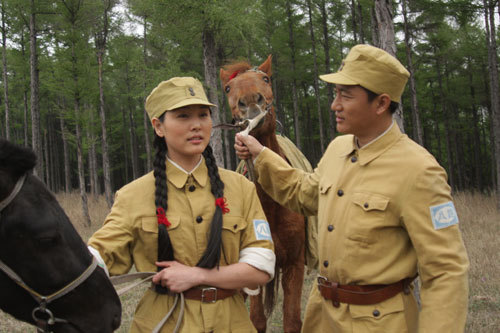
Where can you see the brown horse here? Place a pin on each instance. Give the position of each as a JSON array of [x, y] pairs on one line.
[[249, 93]]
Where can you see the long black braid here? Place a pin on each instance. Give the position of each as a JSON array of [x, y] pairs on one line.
[[165, 249], [212, 254]]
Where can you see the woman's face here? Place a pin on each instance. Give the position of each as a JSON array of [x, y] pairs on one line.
[[187, 133]]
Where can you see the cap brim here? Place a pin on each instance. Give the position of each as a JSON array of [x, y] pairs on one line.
[[190, 101], [338, 78]]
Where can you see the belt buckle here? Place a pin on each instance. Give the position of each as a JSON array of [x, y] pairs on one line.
[[210, 289], [322, 281]]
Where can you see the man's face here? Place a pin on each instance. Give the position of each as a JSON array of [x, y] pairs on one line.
[[353, 112]]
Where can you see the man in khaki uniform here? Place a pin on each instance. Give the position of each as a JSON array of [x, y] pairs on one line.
[[384, 208]]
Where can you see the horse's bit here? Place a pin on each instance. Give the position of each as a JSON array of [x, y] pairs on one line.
[[42, 324]]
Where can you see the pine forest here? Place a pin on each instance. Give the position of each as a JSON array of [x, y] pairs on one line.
[[75, 75]]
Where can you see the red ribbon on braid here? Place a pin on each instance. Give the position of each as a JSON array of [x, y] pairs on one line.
[[233, 76], [162, 219], [221, 202]]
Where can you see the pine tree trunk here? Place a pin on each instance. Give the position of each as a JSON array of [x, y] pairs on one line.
[[489, 18], [328, 69], [417, 126], [5, 79], [209, 61], [81, 171], [316, 84], [46, 159], [125, 148], [133, 137], [90, 161], [280, 114], [76, 107], [374, 26], [291, 42], [361, 23], [25, 96], [446, 121], [67, 177], [34, 85], [145, 116], [227, 141], [354, 22], [100, 41], [94, 179], [386, 41], [476, 146]]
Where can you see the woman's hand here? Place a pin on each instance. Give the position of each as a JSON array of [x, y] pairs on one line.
[[176, 276]]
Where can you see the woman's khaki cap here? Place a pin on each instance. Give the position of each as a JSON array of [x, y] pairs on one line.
[[373, 69], [175, 93]]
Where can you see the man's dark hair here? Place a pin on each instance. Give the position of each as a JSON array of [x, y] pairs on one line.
[[371, 96]]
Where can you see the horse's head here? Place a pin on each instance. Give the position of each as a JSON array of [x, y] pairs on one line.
[[41, 246], [249, 93]]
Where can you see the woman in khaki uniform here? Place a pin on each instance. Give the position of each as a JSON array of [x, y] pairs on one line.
[[202, 227]]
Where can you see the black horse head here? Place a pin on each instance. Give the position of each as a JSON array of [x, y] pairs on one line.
[[39, 243]]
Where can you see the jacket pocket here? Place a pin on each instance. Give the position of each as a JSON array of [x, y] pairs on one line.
[[150, 223], [367, 213], [232, 230], [387, 316], [147, 241]]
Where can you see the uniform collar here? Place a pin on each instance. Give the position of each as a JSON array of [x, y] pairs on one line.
[[178, 176], [375, 148]]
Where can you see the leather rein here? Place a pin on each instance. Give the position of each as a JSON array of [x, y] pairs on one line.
[[41, 311]]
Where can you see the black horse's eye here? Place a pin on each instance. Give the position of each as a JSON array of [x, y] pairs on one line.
[[266, 79], [227, 89]]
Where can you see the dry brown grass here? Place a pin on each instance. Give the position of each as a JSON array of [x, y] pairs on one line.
[[480, 224]]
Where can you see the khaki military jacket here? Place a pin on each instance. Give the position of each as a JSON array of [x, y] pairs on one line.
[[378, 224], [129, 237]]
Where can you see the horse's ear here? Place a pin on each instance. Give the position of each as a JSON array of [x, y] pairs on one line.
[[15, 157], [266, 65], [224, 76]]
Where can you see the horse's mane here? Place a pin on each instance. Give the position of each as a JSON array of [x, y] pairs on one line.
[[239, 67], [16, 158]]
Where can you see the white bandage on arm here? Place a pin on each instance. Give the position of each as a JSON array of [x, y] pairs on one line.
[[99, 259], [260, 258]]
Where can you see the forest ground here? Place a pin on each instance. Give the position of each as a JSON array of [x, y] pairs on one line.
[[479, 222]]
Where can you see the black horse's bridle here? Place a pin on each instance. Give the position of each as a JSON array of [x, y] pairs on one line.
[[43, 317]]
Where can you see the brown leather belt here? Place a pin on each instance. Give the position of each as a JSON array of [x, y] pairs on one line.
[[361, 295], [209, 294]]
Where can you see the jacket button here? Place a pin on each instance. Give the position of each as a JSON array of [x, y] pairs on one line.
[[376, 313], [340, 193], [325, 263], [366, 205], [192, 188], [199, 219], [330, 227], [354, 159]]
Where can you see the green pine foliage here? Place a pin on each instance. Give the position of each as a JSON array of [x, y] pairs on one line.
[[153, 40]]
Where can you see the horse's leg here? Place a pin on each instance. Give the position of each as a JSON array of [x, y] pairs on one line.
[[257, 315], [292, 280]]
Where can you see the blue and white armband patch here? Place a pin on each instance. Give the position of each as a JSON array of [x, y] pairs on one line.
[[444, 215], [262, 230]]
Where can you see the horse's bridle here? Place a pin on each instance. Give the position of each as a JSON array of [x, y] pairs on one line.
[[42, 324]]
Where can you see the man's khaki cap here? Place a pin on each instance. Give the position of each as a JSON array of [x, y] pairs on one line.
[[373, 69], [175, 93]]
